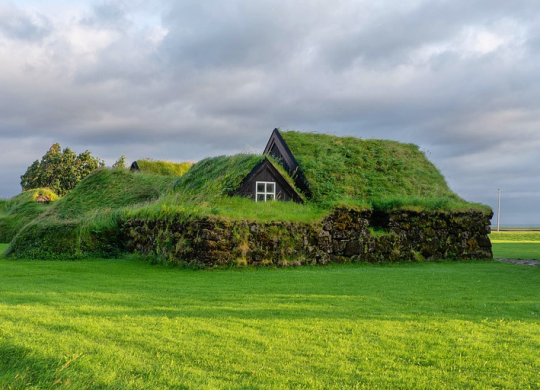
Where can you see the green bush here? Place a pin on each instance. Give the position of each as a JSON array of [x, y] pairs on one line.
[[60, 170]]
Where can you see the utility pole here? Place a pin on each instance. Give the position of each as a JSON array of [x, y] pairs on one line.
[[499, 211]]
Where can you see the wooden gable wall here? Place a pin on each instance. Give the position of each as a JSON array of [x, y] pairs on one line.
[[266, 172]]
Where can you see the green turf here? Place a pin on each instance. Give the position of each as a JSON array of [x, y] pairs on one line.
[[515, 236], [124, 324], [21, 209], [522, 245], [386, 174], [519, 250]]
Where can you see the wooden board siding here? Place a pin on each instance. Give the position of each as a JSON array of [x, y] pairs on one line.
[[266, 172]]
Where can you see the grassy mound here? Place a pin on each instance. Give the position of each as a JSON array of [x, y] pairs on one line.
[[164, 168], [217, 176], [86, 220], [21, 209], [385, 174]]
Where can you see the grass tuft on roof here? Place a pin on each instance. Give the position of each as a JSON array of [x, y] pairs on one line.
[[164, 168]]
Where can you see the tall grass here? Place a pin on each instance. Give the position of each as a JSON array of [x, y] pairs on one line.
[[165, 168]]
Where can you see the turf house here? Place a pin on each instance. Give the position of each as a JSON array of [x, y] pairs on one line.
[[308, 199]]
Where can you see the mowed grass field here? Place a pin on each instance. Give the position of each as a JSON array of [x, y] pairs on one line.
[[522, 245], [125, 324]]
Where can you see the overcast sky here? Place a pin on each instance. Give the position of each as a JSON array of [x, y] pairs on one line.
[[183, 80]]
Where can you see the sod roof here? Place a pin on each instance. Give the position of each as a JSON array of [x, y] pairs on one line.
[[222, 175], [21, 209], [348, 168], [110, 189], [217, 176]]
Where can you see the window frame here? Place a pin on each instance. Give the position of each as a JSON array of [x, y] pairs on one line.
[[265, 193]]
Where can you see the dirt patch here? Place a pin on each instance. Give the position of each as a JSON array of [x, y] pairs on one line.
[[521, 262], [43, 199]]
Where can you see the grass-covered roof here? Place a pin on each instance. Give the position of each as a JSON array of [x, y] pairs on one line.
[[348, 168], [69, 226], [223, 175], [21, 209], [217, 176], [110, 189]]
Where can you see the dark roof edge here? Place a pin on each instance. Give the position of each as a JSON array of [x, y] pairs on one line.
[[295, 172], [277, 135]]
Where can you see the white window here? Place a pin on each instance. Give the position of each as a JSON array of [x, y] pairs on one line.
[[265, 190]]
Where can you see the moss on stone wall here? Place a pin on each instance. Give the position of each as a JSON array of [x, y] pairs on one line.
[[347, 234]]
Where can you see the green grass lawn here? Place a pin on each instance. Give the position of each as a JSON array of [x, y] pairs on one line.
[[523, 245], [519, 250], [124, 324]]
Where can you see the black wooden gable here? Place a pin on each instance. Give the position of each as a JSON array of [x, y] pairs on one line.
[[266, 172], [277, 148]]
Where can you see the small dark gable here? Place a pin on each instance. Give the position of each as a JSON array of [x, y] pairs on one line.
[[266, 182], [277, 148]]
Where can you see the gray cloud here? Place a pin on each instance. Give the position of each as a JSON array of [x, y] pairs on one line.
[[25, 26], [187, 80]]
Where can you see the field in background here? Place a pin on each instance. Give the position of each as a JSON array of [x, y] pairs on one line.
[[125, 324], [521, 245]]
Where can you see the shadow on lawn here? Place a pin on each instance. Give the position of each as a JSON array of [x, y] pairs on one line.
[[19, 369], [309, 306]]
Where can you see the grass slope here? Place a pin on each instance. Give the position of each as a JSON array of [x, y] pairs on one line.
[[217, 176], [387, 174], [20, 210], [99, 324], [86, 219]]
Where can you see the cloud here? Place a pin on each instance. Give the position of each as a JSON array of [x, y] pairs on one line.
[[185, 80], [23, 26]]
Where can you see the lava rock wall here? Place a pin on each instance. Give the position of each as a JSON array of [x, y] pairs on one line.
[[346, 235]]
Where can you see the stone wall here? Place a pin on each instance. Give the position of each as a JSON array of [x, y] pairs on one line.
[[345, 235]]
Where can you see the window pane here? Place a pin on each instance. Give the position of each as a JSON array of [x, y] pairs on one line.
[[270, 187], [260, 198], [270, 197], [260, 187]]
